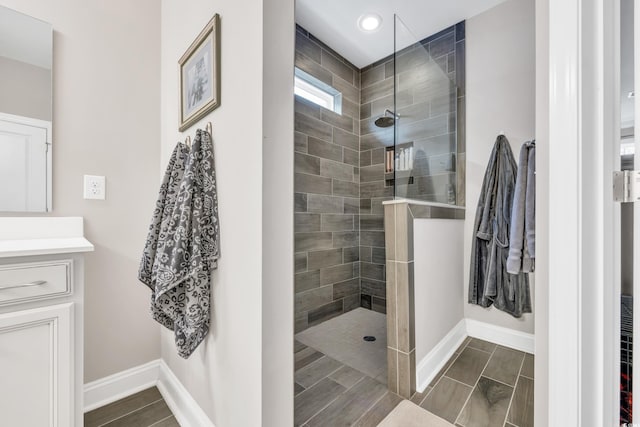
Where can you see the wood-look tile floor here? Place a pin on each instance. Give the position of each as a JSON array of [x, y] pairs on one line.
[[329, 393], [483, 384], [144, 409]]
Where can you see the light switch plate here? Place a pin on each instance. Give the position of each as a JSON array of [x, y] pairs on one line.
[[94, 187]]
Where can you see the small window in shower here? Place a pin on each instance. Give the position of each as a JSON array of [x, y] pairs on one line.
[[317, 91]]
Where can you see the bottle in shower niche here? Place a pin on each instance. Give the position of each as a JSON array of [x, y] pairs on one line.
[[451, 194], [397, 162]]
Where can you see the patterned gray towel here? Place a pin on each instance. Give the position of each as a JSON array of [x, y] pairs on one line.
[[182, 247]]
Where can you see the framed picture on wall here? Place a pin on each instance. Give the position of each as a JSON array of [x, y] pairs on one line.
[[200, 75]]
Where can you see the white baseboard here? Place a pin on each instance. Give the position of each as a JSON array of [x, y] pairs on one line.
[[431, 364], [155, 373], [122, 384], [184, 407], [503, 336]]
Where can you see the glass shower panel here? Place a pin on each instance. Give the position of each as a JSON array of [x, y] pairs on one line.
[[423, 161]]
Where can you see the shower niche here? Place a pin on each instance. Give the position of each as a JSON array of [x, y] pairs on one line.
[[399, 162]]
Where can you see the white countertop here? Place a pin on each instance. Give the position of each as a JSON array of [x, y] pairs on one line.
[[28, 236]]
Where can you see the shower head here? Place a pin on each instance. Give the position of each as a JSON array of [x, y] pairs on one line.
[[385, 121]]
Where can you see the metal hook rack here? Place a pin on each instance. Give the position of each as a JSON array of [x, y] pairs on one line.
[[208, 128]]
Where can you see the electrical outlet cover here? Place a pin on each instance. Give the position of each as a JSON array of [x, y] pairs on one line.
[[94, 187]]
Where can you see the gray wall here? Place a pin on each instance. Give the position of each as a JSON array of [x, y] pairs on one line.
[[327, 193]]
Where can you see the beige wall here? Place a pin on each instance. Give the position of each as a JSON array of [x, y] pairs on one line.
[[438, 246], [106, 122], [25, 89], [500, 97], [228, 374]]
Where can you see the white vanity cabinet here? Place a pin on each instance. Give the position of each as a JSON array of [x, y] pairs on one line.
[[41, 331]]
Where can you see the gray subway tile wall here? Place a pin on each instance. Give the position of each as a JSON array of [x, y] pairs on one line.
[[340, 180], [327, 200]]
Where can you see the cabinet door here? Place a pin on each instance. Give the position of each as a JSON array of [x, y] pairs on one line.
[[36, 374]]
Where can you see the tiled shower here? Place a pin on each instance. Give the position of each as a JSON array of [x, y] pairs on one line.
[[341, 175]]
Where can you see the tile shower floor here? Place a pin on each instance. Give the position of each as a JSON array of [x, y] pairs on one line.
[[341, 338], [339, 379]]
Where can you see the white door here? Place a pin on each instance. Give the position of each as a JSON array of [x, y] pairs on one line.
[[36, 371], [24, 167]]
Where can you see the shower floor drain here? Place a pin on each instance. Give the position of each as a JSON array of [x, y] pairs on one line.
[[369, 338]]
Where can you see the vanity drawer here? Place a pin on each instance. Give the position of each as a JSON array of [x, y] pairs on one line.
[[33, 281]]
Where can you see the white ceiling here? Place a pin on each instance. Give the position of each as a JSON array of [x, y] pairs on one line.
[[25, 39], [335, 22]]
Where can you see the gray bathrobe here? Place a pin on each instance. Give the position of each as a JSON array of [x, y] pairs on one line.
[[489, 281], [182, 246], [522, 244]]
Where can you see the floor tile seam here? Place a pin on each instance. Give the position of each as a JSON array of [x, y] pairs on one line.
[[300, 392], [527, 377], [465, 403], [302, 367], [484, 351], [488, 360], [310, 364], [473, 389], [444, 374], [498, 381], [130, 412], [159, 421], [335, 397], [521, 366], [404, 352], [506, 420], [325, 377], [333, 400], [428, 393]]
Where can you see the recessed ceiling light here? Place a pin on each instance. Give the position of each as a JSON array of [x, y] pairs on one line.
[[369, 22]]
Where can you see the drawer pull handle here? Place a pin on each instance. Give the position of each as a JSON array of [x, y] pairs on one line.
[[24, 285]]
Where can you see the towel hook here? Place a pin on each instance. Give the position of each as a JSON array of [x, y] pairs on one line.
[[208, 128], [187, 141]]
